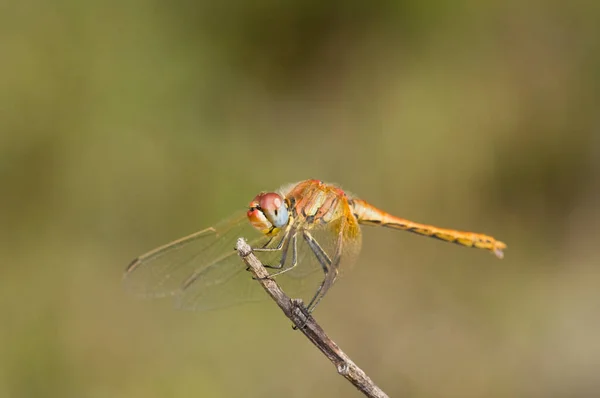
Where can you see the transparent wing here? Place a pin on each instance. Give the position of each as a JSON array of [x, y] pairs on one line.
[[325, 252], [238, 287], [164, 270], [339, 242], [203, 271]]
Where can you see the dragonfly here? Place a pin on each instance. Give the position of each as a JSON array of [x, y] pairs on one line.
[[308, 232]]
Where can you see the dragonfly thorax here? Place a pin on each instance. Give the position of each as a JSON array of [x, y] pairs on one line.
[[268, 213]]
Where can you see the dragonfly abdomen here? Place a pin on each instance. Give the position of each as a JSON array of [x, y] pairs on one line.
[[370, 215]]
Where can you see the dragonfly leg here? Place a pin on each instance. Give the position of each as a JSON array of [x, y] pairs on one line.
[[290, 235], [294, 258], [326, 264], [325, 285], [282, 245], [266, 245], [264, 248]]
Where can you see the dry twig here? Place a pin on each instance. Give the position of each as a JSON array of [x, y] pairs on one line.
[[294, 309]]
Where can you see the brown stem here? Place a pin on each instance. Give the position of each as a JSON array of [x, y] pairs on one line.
[[294, 309]]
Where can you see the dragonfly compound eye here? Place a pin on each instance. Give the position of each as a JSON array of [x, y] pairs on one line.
[[267, 211], [274, 208]]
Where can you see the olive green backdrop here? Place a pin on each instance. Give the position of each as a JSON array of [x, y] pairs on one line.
[[126, 124]]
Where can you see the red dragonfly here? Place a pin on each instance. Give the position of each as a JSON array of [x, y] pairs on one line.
[[300, 229]]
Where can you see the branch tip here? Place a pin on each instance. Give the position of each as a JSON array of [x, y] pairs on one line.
[[295, 310], [243, 247]]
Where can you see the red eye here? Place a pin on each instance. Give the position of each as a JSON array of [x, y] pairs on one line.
[[270, 201], [268, 210]]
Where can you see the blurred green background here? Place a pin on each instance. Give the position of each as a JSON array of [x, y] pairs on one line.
[[124, 125]]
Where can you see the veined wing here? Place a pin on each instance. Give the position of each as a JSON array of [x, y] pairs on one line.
[[203, 271], [337, 244], [207, 256], [198, 293]]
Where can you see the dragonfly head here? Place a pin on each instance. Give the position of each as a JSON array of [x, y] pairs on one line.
[[268, 213]]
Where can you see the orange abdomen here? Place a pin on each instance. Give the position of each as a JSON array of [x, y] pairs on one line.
[[370, 215]]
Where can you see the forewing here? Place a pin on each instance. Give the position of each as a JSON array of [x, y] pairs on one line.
[[204, 271], [163, 271], [199, 294]]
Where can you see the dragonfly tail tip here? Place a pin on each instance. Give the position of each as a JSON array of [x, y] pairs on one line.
[[498, 253]]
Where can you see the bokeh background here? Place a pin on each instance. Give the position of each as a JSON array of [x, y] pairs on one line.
[[126, 124]]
